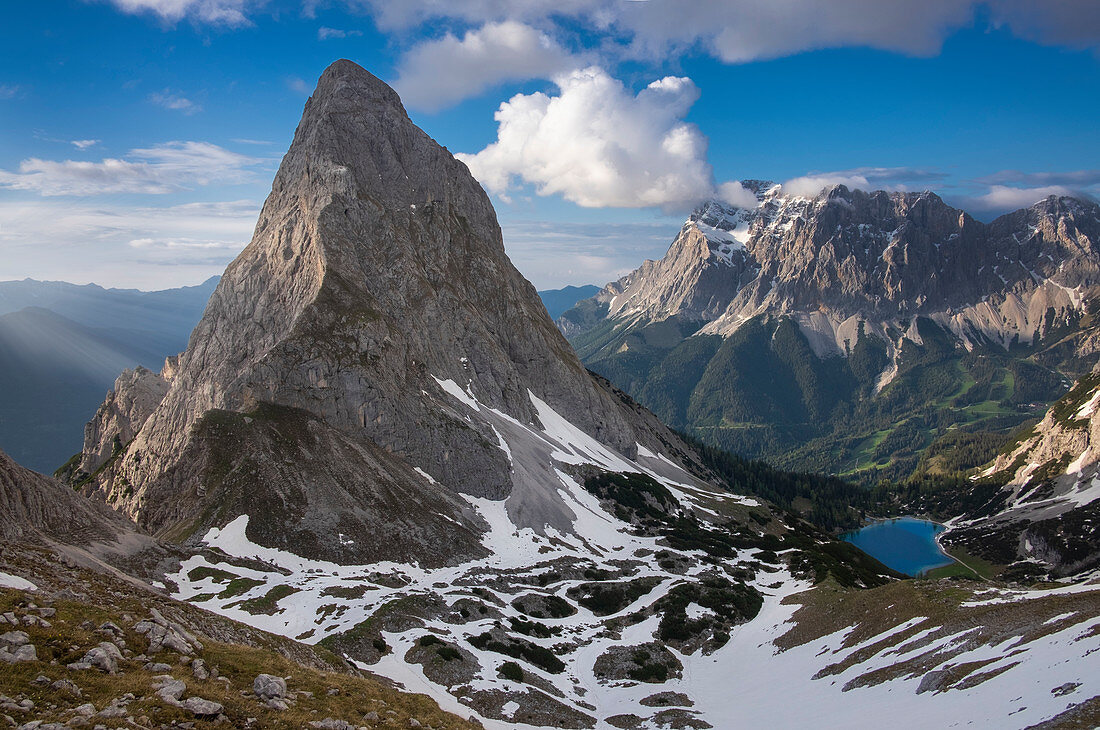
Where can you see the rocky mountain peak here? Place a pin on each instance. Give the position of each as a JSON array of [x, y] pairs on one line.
[[847, 255], [367, 354]]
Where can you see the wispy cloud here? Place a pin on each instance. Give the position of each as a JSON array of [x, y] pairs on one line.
[[83, 144], [297, 85], [865, 178], [324, 34], [154, 170], [118, 245], [553, 254], [1003, 198], [738, 31], [174, 101], [1009, 190], [8, 91], [1069, 178], [734, 31], [229, 13]]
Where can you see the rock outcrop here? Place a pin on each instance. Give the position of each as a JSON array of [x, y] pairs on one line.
[[39, 509], [136, 394], [320, 387], [1043, 510]]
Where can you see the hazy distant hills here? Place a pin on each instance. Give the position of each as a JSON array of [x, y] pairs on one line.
[[61, 348], [560, 301]]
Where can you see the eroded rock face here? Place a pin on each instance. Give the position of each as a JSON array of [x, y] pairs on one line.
[[376, 274], [136, 394], [37, 507], [1043, 516]]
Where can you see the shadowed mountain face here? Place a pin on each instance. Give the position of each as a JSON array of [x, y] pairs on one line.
[[61, 348], [374, 293], [169, 313]]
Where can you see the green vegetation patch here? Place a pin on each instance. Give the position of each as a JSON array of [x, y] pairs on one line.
[[519, 649], [237, 586], [636, 497], [511, 671], [347, 592], [604, 599], [217, 575], [269, 602], [534, 628], [539, 606], [730, 603]]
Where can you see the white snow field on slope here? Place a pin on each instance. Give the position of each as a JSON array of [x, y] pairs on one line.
[[748, 682]]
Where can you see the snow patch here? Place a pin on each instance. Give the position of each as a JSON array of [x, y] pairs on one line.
[[8, 580]]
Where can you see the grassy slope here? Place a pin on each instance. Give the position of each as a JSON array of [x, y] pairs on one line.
[[84, 600]]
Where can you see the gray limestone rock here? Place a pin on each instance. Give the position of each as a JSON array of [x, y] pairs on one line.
[[268, 686], [104, 657], [14, 639], [313, 396], [66, 686], [24, 653], [136, 393], [202, 708], [845, 257], [169, 689]]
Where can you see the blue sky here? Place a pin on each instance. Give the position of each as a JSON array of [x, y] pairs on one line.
[[138, 138]]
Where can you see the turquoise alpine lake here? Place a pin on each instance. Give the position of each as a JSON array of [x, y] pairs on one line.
[[906, 544]]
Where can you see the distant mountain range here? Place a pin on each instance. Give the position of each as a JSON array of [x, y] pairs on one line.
[[851, 331], [61, 348], [559, 301]]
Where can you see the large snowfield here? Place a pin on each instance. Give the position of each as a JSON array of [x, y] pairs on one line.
[[749, 682]]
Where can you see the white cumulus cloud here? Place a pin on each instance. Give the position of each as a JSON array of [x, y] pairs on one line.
[[154, 170], [438, 73], [599, 145]]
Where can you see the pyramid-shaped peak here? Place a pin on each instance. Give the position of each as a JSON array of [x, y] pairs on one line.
[[344, 79]]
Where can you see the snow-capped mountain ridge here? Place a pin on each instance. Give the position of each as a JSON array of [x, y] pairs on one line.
[[847, 258]]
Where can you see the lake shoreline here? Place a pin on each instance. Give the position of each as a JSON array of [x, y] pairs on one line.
[[908, 544]]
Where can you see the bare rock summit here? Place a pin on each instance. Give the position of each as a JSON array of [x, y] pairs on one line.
[[358, 363]]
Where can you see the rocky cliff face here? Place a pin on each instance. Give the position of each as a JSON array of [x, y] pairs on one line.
[[846, 258], [375, 290], [39, 509], [1043, 511]]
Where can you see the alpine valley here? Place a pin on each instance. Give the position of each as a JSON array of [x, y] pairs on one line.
[[379, 462]]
